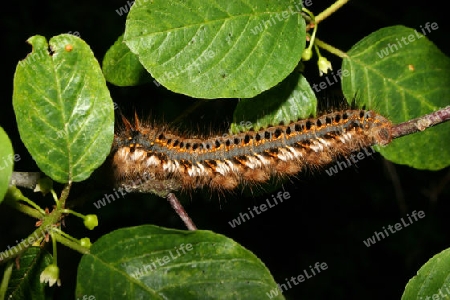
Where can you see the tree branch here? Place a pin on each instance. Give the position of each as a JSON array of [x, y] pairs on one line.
[[421, 123]]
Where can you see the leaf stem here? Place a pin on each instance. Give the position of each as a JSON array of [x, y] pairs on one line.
[[69, 211], [12, 199], [5, 280], [55, 252], [330, 10], [75, 245], [313, 21], [55, 197], [330, 48], [65, 235], [23, 208], [64, 195]]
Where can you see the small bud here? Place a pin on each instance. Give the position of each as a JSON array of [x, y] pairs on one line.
[[90, 221], [44, 185], [50, 275], [324, 65], [85, 242], [307, 54]]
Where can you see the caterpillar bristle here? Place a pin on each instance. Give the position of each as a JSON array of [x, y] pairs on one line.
[[250, 158]]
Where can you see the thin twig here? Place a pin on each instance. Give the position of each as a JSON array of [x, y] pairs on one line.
[[330, 10], [421, 123], [436, 189], [329, 48], [397, 186], [179, 209], [187, 111]]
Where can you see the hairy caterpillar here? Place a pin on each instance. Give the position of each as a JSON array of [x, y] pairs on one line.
[[169, 161]]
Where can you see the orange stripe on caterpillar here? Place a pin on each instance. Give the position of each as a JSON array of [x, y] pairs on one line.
[[222, 163]]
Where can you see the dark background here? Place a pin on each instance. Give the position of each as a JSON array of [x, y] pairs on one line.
[[326, 219]]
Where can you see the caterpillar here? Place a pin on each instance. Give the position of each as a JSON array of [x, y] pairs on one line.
[[152, 158]]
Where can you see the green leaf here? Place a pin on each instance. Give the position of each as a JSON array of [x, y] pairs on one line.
[[25, 282], [63, 108], [6, 163], [122, 68], [403, 82], [289, 101], [433, 278], [217, 49], [149, 262]]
